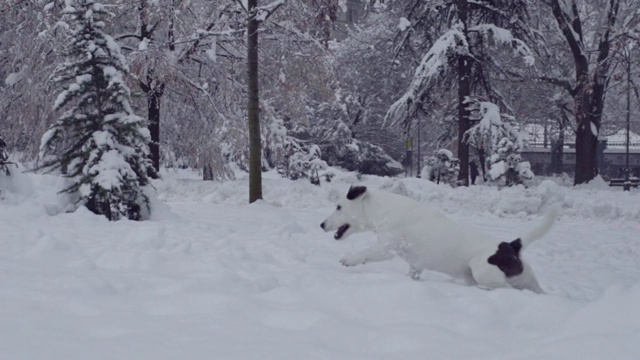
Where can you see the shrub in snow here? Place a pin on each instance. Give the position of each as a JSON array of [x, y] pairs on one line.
[[303, 162], [292, 157], [507, 164], [441, 167], [499, 144], [355, 155], [97, 142], [298, 159], [215, 165]]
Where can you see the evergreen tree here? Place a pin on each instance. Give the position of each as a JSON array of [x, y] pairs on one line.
[[462, 39], [98, 142]]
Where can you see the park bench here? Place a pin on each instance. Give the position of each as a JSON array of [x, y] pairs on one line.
[[633, 182]]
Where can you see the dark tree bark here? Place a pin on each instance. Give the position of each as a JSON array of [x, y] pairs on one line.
[[464, 93], [483, 163], [154, 94], [589, 91], [557, 149], [255, 146], [207, 172]]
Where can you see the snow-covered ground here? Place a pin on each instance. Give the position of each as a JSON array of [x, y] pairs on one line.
[[211, 277]]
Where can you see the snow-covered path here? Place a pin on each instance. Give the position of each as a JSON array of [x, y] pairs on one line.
[[213, 278]]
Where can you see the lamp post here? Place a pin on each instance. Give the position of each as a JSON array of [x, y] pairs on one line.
[[627, 183], [419, 170], [409, 156]]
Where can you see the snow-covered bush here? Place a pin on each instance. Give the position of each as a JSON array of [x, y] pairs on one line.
[[441, 167], [97, 142], [304, 162], [499, 144], [292, 157], [355, 155], [216, 165], [506, 163]]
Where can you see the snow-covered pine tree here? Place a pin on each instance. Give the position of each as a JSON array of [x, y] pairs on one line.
[[462, 38], [98, 140]]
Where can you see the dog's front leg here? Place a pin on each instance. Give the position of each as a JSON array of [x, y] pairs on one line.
[[372, 254]]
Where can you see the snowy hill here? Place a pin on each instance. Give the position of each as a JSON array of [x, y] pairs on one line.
[[211, 277]]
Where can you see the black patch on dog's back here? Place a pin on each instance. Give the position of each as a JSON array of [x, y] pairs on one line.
[[356, 191], [507, 258]]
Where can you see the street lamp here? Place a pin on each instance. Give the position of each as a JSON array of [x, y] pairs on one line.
[[627, 183]]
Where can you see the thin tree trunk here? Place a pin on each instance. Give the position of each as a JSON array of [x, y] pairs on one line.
[[255, 152], [464, 92], [557, 149], [154, 94], [483, 163]]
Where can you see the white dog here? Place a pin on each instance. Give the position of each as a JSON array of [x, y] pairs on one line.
[[426, 239]]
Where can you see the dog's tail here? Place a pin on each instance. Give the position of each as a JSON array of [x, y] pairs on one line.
[[543, 227]]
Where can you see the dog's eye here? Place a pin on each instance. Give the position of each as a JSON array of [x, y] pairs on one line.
[[339, 207]]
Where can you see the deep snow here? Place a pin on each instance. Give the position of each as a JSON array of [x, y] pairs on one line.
[[211, 277]]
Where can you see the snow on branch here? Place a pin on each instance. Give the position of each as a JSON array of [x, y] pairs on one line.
[[263, 12], [432, 64], [243, 4], [504, 36]]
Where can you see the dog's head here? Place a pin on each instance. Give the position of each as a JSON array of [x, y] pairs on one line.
[[348, 218]]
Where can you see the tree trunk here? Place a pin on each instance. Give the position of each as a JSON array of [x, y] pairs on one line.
[[207, 171], [589, 93], [483, 163], [255, 153], [464, 92], [154, 94], [557, 150], [586, 148]]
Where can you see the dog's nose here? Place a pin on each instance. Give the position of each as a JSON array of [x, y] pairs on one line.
[[322, 225]]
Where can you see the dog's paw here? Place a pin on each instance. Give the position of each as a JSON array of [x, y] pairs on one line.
[[351, 261]]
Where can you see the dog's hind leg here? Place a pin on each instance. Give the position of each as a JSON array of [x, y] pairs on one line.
[[486, 275]]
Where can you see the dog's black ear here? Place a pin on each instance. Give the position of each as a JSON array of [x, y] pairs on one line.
[[517, 246], [355, 192]]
